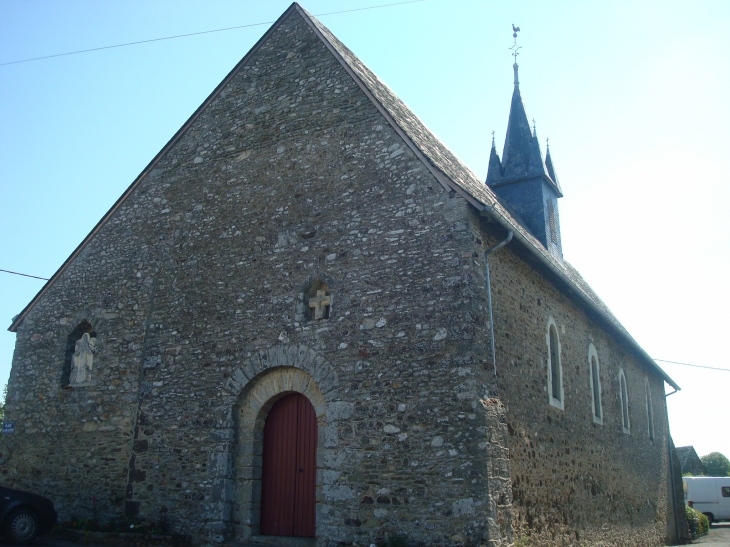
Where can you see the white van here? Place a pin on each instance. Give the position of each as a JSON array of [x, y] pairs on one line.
[[708, 495]]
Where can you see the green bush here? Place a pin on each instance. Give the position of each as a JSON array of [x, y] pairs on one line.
[[698, 523], [704, 525]]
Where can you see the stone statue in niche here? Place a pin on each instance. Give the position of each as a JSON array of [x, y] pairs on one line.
[[82, 361]]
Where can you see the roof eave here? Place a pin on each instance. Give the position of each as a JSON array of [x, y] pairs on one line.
[[546, 178], [495, 214]]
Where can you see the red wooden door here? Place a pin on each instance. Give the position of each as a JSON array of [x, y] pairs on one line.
[[289, 468]]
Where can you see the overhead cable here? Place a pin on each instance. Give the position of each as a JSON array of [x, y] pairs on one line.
[[25, 275], [688, 365], [194, 34]]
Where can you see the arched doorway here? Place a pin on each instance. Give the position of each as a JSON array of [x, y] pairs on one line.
[[289, 468]]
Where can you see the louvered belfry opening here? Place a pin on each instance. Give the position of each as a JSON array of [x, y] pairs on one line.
[[289, 468]]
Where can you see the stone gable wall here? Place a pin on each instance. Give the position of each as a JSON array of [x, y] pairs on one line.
[[290, 175]]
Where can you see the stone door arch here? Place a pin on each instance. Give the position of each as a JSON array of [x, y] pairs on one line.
[[251, 410]]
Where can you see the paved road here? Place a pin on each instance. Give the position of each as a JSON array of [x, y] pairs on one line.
[[719, 535]]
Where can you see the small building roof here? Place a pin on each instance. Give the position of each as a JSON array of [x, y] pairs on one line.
[[689, 461]]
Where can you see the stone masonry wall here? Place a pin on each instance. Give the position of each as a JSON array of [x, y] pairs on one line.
[[289, 178], [197, 287], [574, 482], [74, 444]]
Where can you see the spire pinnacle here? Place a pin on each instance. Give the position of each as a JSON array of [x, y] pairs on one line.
[[493, 146], [550, 167]]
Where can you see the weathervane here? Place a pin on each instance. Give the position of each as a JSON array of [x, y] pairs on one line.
[[515, 52], [515, 48]]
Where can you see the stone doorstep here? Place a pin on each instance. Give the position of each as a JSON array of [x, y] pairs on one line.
[[274, 541]]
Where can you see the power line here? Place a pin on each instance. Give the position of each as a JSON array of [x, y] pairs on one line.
[[688, 365], [197, 33], [25, 275]]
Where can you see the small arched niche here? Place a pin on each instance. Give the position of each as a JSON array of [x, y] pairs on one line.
[[74, 336]]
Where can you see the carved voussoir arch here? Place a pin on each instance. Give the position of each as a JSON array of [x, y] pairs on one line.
[[297, 357], [255, 401]]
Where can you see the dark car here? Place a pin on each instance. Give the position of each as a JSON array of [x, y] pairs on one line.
[[23, 515]]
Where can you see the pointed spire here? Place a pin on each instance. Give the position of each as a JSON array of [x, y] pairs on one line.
[[494, 171], [521, 157], [536, 163], [550, 167]]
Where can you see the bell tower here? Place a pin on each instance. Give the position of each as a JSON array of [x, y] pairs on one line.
[[521, 179]]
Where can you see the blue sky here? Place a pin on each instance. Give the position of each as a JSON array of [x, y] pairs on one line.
[[633, 96]]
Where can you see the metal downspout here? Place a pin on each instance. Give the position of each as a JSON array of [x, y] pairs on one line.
[[496, 248], [493, 212]]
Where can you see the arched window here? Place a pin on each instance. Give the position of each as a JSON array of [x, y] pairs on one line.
[[555, 369], [649, 411], [594, 375], [624, 395]]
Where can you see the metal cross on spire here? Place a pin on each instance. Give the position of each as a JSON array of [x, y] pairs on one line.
[[515, 48], [515, 52]]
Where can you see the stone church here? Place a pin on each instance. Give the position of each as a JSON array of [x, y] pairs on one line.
[[306, 322]]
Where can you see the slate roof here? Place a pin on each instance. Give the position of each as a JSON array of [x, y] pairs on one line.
[[521, 156], [689, 461], [436, 156]]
